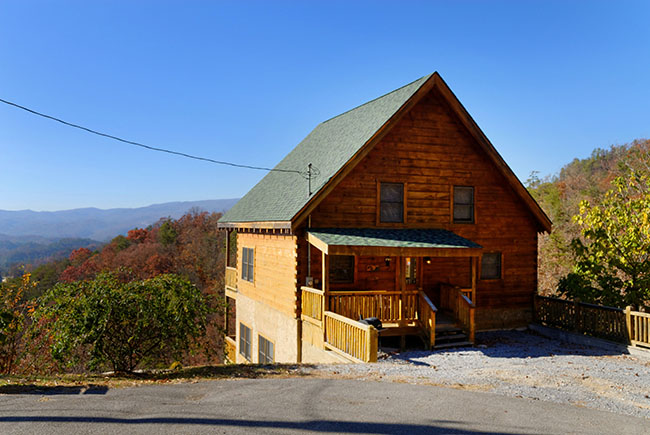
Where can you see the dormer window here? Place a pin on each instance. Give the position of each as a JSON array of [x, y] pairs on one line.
[[391, 202]]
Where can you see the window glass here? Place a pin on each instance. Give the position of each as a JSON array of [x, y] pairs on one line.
[[411, 270], [491, 266], [266, 352], [391, 201], [463, 204], [245, 342], [248, 260], [341, 269]]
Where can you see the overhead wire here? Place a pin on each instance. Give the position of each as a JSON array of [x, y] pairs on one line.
[[313, 172]]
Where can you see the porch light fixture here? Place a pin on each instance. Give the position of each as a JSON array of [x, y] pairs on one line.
[[427, 260], [387, 261]]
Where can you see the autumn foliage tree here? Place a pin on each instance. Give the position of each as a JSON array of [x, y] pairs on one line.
[[123, 324], [612, 256]]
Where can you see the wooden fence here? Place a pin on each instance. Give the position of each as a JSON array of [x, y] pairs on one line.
[[352, 338], [615, 324]]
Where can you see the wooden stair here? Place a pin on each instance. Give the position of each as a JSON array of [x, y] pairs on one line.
[[448, 335]]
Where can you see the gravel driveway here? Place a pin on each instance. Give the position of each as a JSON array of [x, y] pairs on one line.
[[524, 365]]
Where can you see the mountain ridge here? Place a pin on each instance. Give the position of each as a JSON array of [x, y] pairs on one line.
[[95, 223]]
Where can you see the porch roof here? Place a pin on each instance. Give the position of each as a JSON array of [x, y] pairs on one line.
[[391, 241]]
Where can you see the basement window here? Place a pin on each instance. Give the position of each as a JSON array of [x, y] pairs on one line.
[[391, 202], [491, 266], [463, 204], [248, 260], [266, 351], [245, 341]]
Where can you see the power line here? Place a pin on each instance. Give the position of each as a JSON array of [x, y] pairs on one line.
[[312, 172]]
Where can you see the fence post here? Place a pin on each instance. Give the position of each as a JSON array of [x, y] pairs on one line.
[[372, 344], [628, 322], [576, 316]]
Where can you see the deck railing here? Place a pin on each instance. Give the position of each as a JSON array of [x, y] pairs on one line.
[[638, 325], [312, 304], [386, 305], [353, 339], [427, 317], [231, 277], [596, 320]]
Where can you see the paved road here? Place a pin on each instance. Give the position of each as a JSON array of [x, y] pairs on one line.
[[299, 406]]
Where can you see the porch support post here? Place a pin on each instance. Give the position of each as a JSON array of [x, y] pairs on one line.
[[474, 277], [402, 288], [228, 247], [325, 279]]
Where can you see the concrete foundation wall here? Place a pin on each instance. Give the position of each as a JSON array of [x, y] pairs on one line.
[[273, 325], [502, 318]]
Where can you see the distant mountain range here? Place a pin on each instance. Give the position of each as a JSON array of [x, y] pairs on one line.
[[98, 224], [28, 236]]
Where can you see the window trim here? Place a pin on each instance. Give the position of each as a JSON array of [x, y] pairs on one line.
[[248, 268], [453, 205], [404, 184], [242, 340], [260, 337], [480, 275]]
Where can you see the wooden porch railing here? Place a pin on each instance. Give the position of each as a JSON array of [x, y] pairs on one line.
[[353, 339], [386, 305], [455, 299], [231, 277], [427, 317], [312, 304], [638, 327]]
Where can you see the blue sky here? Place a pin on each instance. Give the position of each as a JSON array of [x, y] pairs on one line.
[[246, 81]]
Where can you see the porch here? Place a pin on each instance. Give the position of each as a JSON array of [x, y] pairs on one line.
[[393, 275]]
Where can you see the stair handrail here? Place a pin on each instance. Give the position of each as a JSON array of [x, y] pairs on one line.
[[427, 316], [465, 314]]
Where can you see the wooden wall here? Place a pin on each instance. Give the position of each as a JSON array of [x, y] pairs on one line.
[[431, 151], [275, 270]]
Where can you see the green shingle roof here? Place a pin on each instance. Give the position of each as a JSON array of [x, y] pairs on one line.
[[279, 196], [391, 238]]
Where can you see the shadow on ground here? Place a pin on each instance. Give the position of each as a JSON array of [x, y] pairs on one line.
[[326, 426]]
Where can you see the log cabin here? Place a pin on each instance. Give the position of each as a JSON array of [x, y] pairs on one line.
[[399, 209]]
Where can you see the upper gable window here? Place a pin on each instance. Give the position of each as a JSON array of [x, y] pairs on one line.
[[464, 204], [391, 202]]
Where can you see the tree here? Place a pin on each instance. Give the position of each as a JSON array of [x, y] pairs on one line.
[[14, 314], [123, 324], [613, 255]]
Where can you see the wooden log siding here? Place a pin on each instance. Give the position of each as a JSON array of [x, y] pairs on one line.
[[596, 320], [231, 277], [427, 317], [354, 340], [386, 305], [312, 304], [638, 327], [431, 151]]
